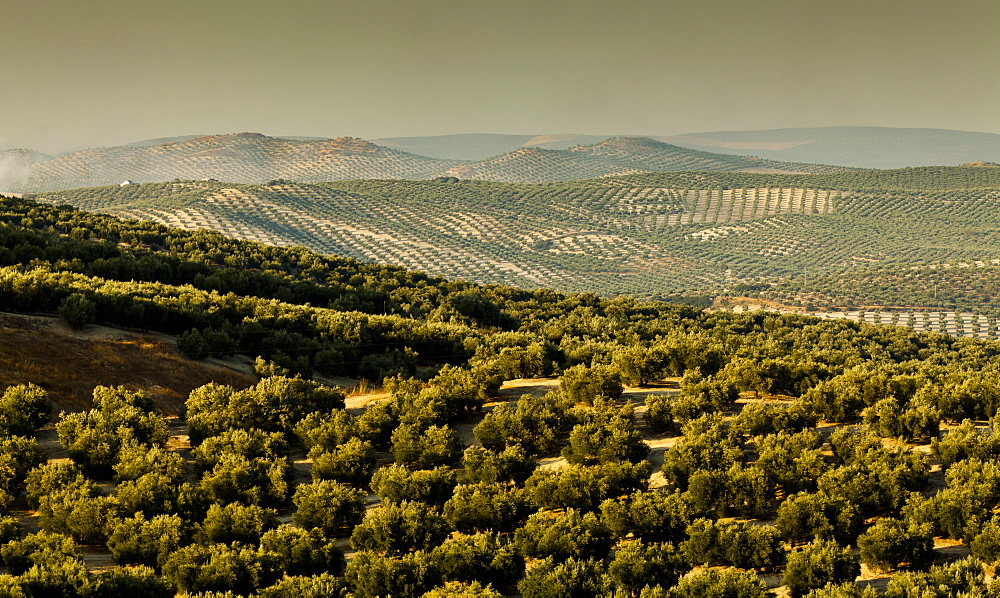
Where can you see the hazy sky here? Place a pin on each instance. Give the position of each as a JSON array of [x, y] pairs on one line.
[[101, 72]]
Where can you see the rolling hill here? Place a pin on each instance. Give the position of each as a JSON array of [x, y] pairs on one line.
[[479, 146], [614, 156], [256, 158], [692, 233], [858, 147], [242, 157], [16, 165]]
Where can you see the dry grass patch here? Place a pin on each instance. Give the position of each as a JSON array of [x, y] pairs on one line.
[[69, 364]]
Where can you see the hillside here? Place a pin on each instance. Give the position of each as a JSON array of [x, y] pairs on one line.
[[529, 441], [243, 157], [615, 156], [653, 234], [256, 158], [861, 147]]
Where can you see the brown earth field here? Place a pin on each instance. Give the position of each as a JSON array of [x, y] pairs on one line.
[[68, 363]]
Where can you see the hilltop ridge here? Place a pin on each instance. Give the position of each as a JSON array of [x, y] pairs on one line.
[[612, 157], [258, 158], [858, 147], [240, 157], [863, 147]]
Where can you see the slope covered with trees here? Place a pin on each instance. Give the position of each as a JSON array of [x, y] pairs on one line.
[[833, 240], [783, 451]]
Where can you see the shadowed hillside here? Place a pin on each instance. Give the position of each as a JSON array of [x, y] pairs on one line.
[[615, 156]]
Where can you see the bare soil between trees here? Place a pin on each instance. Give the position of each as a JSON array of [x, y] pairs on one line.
[[99, 559]]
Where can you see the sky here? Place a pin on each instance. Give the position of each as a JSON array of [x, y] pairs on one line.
[[104, 72]]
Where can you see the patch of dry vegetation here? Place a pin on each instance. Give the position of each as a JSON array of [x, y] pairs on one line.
[[69, 364]]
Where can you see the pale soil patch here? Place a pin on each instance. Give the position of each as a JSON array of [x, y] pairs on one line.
[[513, 389], [97, 558], [638, 394], [657, 448], [876, 579], [361, 401], [552, 463], [48, 441], [948, 549], [180, 439], [465, 427], [775, 583]]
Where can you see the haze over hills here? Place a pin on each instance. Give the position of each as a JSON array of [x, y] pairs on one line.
[[257, 158], [862, 147], [479, 146], [15, 164]]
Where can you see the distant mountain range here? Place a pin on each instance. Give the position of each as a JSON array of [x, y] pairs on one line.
[[257, 158], [479, 146], [862, 147], [858, 147]]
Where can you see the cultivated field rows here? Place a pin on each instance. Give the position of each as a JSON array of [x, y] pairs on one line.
[[281, 225], [465, 241], [256, 158], [679, 234], [247, 157], [961, 324]]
